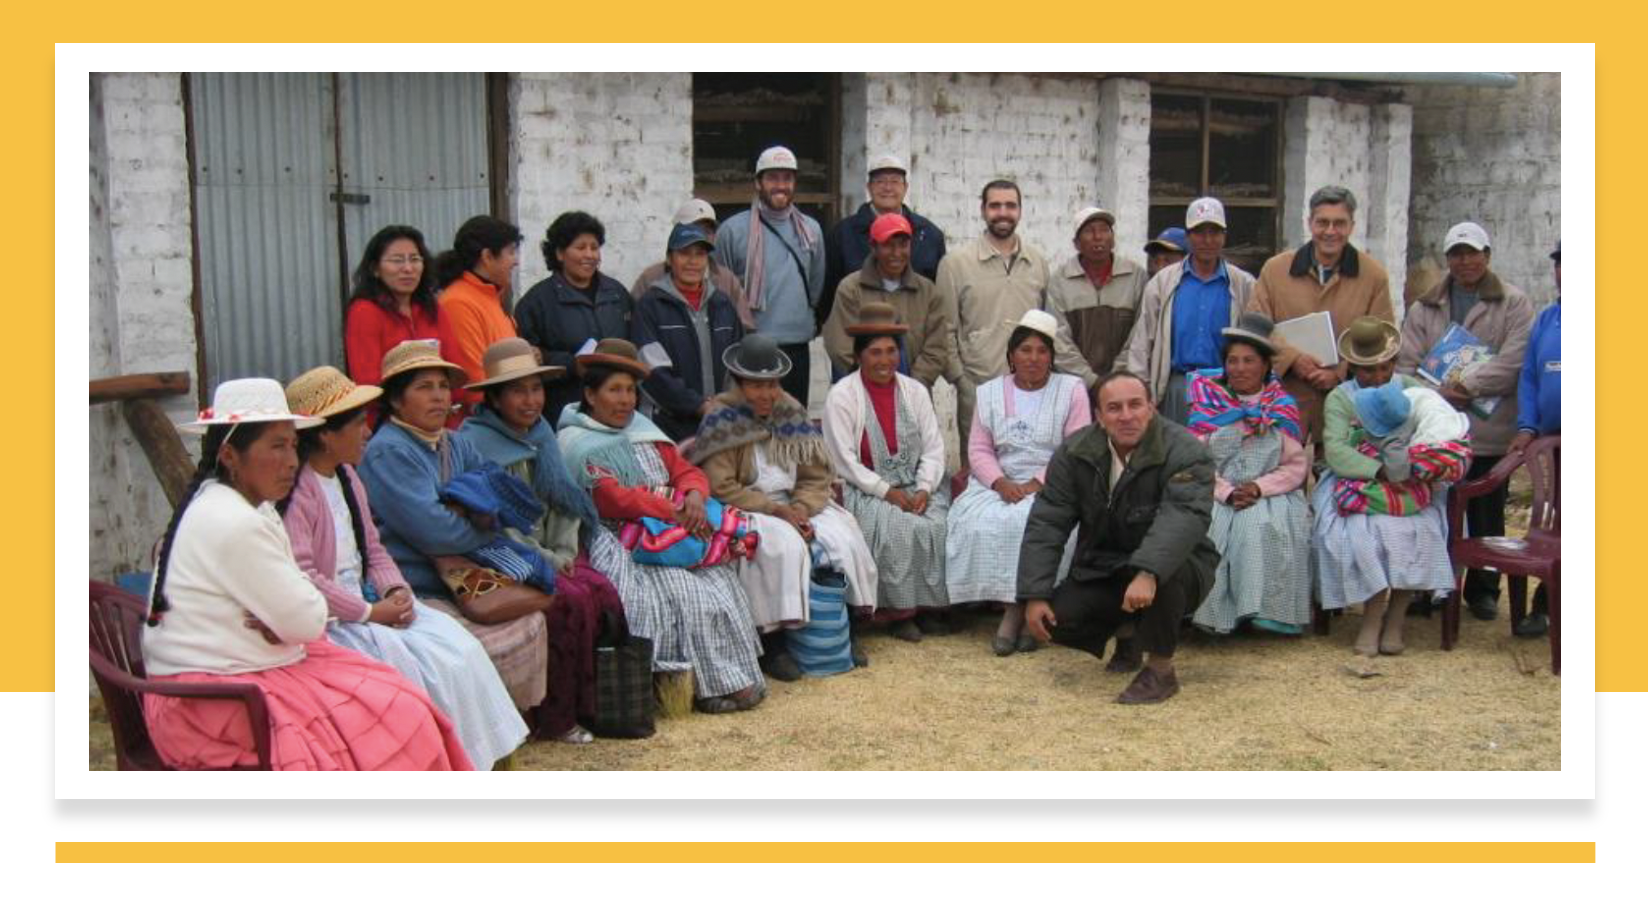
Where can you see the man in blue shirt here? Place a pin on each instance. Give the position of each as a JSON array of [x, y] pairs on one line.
[[1183, 308], [1539, 410]]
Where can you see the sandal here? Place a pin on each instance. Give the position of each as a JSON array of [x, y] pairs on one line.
[[576, 736], [715, 704]]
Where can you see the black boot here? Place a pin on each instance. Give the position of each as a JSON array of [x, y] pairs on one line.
[[776, 660]]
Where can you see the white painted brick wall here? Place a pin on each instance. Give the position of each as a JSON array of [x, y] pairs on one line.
[[1493, 156], [140, 281], [1124, 159], [615, 145]]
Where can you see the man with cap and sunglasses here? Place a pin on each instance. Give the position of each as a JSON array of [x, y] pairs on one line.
[[1184, 308], [848, 244], [888, 277], [686, 323], [1094, 296], [1164, 250], [1326, 273], [778, 251], [697, 212], [1499, 314]]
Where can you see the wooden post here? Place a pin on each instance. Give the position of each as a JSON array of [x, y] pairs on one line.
[[161, 445], [143, 385]]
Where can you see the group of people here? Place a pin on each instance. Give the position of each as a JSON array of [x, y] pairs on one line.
[[604, 461]]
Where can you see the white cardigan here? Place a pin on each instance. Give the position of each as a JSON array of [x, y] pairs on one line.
[[228, 560], [844, 426]]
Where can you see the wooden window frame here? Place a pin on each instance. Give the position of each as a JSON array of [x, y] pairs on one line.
[[1206, 99]]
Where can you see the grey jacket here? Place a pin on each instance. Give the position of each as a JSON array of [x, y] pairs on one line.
[[788, 297], [1155, 519]]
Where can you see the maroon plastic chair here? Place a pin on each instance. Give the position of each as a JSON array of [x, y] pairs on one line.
[[1538, 555], [117, 665]]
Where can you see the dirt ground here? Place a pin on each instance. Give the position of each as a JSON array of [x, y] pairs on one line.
[[1247, 703]]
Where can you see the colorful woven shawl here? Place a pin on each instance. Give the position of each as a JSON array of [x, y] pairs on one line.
[[1432, 464], [1213, 406], [664, 543], [594, 450], [790, 436]]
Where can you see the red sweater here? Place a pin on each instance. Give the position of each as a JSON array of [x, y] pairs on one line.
[[621, 502], [369, 331]]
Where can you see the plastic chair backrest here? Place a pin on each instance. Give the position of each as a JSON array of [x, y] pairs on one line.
[[1542, 457], [117, 657]]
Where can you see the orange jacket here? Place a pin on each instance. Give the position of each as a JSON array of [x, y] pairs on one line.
[[471, 318]]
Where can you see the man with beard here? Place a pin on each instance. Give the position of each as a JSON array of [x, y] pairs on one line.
[[987, 284], [779, 252]]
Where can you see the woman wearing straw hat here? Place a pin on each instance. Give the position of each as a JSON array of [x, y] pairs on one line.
[[509, 429], [373, 611], [408, 460], [1261, 523], [229, 600], [764, 455], [698, 619], [1021, 418], [1380, 534], [883, 438]]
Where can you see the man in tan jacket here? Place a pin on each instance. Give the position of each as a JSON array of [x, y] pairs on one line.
[[1094, 296], [887, 277], [1326, 273], [987, 284], [1500, 315]]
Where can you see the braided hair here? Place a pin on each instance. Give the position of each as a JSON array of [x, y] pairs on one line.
[[239, 437], [308, 444]]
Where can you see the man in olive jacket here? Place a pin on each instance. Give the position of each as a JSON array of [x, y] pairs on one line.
[[1140, 489]]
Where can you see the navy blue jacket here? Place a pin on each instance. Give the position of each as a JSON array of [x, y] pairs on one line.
[[662, 316], [558, 319], [848, 246]]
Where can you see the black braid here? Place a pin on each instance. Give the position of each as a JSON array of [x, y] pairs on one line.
[[207, 468], [347, 484]]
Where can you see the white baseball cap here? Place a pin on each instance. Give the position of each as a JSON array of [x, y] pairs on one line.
[[1468, 233], [1039, 321], [887, 161], [694, 210], [1088, 214], [1204, 210], [779, 157]]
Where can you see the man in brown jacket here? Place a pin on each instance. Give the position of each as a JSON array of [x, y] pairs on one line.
[[887, 277], [1500, 315], [1094, 296], [1326, 273]]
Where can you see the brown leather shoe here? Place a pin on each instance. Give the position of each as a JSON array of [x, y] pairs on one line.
[[1149, 688]]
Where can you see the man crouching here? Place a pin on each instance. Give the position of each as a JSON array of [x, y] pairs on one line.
[[1141, 489]]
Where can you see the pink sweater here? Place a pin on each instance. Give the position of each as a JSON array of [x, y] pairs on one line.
[[315, 546], [981, 447]]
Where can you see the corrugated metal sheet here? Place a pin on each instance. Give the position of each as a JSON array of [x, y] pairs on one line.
[[266, 170], [269, 267], [417, 147]]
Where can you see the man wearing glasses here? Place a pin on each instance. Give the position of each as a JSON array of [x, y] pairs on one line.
[[848, 244]]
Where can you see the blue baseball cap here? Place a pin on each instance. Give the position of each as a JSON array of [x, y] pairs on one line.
[[687, 235], [1173, 240]]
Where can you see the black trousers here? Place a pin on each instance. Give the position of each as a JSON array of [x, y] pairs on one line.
[[1485, 516], [800, 376], [1089, 611]]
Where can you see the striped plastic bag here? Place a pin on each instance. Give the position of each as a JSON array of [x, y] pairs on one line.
[[824, 646]]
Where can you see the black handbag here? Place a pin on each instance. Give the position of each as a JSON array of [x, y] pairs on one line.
[[624, 702]]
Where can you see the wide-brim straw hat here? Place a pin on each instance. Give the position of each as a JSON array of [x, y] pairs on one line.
[[508, 359], [256, 400], [757, 357], [1254, 327], [616, 353], [417, 354], [325, 392], [1369, 341], [876, 318]]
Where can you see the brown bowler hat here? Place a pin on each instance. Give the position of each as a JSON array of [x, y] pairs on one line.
[[616, 353], [876, 318], [1369, 341]]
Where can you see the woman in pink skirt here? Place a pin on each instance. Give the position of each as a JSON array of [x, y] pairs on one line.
[[230, 604]]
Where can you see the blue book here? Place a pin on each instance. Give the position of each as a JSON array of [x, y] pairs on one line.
[[1455, 355]]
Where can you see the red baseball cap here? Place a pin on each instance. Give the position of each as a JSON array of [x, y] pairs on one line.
[[887, 225]]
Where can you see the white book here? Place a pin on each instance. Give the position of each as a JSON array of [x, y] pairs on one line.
[[1312, 334]]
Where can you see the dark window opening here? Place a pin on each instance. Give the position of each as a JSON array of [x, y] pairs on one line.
[[735, 116], [1224, 147]]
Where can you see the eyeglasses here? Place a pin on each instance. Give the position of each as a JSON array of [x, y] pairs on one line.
[[887, 180], [413, 260]]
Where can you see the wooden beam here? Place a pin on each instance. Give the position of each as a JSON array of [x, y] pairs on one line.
[[142, 385], [161, 445]]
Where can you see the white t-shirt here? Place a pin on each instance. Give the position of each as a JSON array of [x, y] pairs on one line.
[[343, 527], [1026, 403]]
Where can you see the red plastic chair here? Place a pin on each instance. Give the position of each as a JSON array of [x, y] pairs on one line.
[[117, 665], [1538, 555]]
